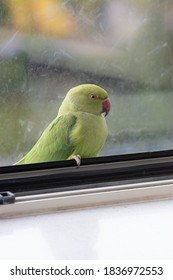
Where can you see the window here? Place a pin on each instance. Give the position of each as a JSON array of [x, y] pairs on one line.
[[47, 47]]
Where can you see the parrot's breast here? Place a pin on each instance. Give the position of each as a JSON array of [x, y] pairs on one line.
[[89, 134]]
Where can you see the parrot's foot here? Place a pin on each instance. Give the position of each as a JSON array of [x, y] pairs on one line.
[[77, 158]]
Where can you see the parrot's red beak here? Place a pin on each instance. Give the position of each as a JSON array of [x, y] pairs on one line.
[[106, 106]]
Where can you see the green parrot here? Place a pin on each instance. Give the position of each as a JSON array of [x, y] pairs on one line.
[[78, 131]]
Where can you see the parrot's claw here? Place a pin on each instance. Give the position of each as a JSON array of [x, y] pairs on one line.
[[77, 158]]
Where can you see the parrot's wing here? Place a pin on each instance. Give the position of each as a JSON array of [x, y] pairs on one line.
[[54, 144]]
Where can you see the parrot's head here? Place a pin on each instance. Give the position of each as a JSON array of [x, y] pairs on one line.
[[88, 98]]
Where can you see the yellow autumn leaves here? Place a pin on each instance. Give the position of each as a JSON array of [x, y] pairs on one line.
[[47, 17]]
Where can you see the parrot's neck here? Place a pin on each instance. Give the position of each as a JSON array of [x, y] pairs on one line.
[[67, 107]]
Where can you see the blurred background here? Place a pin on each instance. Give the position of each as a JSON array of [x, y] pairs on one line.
[[49, 46]]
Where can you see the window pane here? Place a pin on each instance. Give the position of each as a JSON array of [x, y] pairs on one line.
[[49, 46]]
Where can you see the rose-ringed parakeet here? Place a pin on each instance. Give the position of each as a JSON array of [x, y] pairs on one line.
[[78, 131]]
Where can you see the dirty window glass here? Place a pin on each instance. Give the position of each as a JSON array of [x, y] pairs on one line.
[[50, 46]]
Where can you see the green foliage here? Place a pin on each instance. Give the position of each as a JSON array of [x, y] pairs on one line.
[[4, 13]]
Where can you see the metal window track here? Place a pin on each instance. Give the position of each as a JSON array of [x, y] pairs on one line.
[[40, 188], [68, 200]]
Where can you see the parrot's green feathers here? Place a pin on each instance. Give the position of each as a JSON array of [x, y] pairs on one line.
[[84, 98], [79, 128], [54, 143]]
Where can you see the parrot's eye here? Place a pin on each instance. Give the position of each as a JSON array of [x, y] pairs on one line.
[[94, 96]]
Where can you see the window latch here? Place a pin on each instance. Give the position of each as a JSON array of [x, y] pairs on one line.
[[7, 197]]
